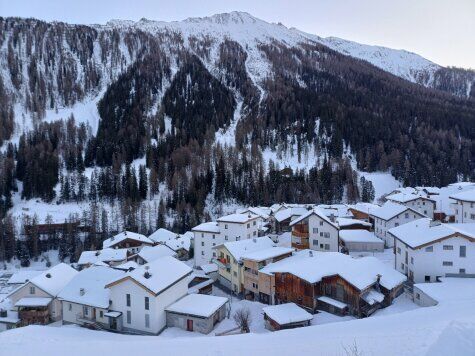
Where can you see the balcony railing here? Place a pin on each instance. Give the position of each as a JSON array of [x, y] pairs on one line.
[[300, 234]]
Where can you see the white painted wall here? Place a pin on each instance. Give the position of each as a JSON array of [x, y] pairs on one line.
[[422, 299], [464, 212], [424, 206], [71, 311], [206, 241], [381, 226], [423, 263], [157, 304], [322, 235], [24, 292]]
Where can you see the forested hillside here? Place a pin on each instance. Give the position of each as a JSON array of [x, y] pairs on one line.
[[166, 95]]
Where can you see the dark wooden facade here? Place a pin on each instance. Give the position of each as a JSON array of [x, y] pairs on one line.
[[33, 315], [290, 288]]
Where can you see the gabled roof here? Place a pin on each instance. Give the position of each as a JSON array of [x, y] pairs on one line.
[[238, 218], [22, 277], [363, 207], [240, 248], [92, 280], [287, 313], [343, 222], [126, 235], [211, 226], [267, 253], [422, 232], [180, 242], [156, 276], [315, 211], [55, 279], [162, 235], [285, 214], [468, 196], [259, 211], [359, 236], [359, 272], [151, 253], [200, 305], [389, 210], [105, 255], [404, 198], [337, 210]]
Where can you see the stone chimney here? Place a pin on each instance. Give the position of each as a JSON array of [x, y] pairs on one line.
[[147, 274]]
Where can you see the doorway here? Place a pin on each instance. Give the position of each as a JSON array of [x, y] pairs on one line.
[[189, 325]]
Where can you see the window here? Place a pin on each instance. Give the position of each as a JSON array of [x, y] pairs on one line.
[[321, 223], [202, 243], [472, 216], [70, 307], [214, 236], [425, 212], [427, 278], [254, 233], [462, 270], [235, 273], [32, 290], [202, 253], [315, 242], [321, 234], [214, 244], [254, 223], [430, 249], [202, 235], [214, 254], [448, 247], [463, 251], [412, 260], [248, 226], [326, 234], [396, 224], [147, 320], [399, 250], [402, 265], [447, 263], [147, 303], [101, 314], [225, 226], [315, 230], [129, 317], [226, 237], [127, 298], [406, 215], [327, 246], [85, 310]]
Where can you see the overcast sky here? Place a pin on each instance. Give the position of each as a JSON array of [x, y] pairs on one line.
[[440, 30]]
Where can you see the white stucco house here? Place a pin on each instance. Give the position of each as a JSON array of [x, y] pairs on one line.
[[426, 250], [85, 301], [36, 301], [140, 297], [418, 202], [464, 206], [316, 231], [232, 227], [392, 215]]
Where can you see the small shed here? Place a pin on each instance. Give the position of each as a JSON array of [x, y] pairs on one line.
[[361, 241], [197, 312], [286, 316]]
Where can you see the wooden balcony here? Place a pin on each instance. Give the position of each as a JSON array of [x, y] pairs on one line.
[[301, 234]]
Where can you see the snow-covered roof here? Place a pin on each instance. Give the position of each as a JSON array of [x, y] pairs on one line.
[[162, 235], [22, 277], [285, 214], [337, 210], [315, 211], [105, 255], [151, 253], [259, 211], [33, 302], [404, 198], [92, 282], [389, 210], [360, 272], [124, 235], [359, 236], [180, 242], [423, 231], [364, 207], [462, 184], [468, 196], [449, 289], [200, 305], [128, 265], [238, 218], [55, 279], [343, 222], [280, 265], [287, 313], [331, 301], [210, 226], [240, 248], [158, 275], [267, 253], [209, 268]]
